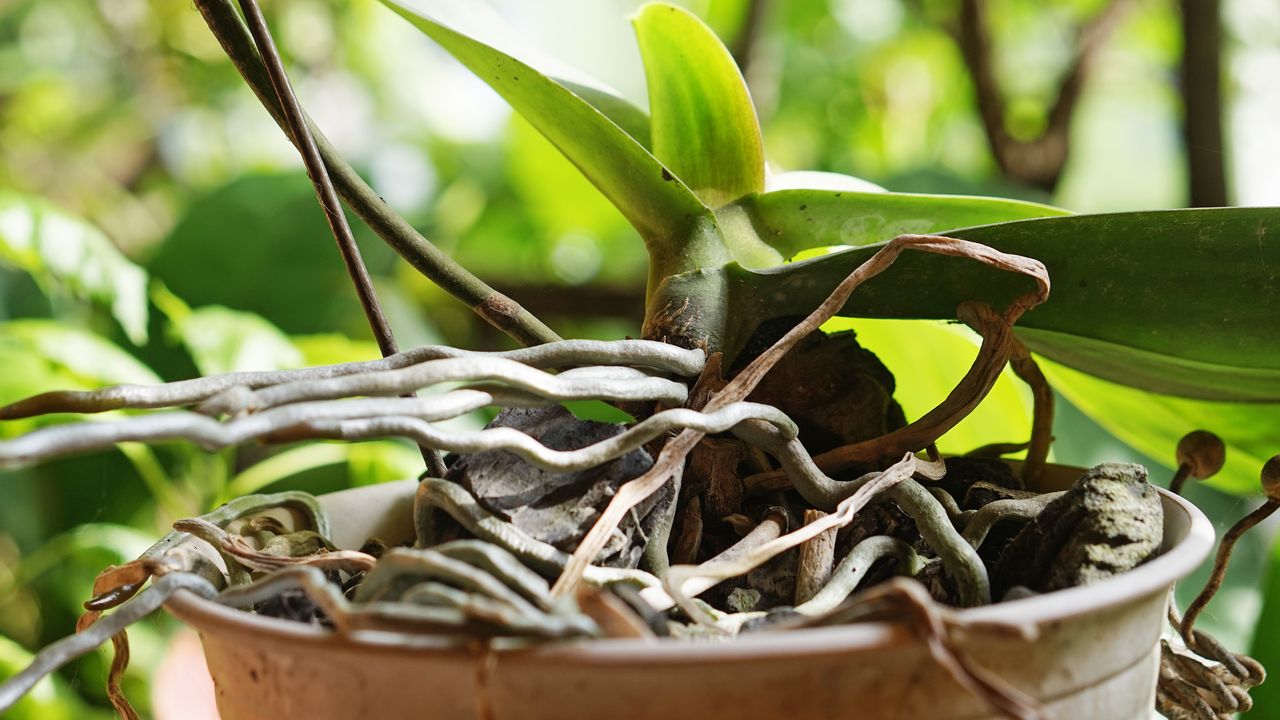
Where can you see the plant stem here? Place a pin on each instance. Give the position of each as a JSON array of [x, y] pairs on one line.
[[1179, 479], [306, 144], [302, 138], [497, 309]]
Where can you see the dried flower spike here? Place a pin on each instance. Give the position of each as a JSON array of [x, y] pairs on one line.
[[1200, 456], [1270, 478]]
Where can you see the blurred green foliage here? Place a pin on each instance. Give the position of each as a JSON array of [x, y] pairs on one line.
[[154, 223]]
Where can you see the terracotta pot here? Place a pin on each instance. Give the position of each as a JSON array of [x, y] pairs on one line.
[[1095, 657]]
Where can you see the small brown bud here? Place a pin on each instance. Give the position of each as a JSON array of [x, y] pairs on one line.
[[1202, 452], [1270, 477]]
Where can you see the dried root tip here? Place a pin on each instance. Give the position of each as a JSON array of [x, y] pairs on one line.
[[1200, 455]]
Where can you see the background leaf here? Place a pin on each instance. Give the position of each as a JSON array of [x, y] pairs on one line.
[[67, 255], [1266, 642], [260, 244], [927, 359], [1153, 423], [702, 119], [367, 463], [222, 340], [1119, 282], [51, 698], [43, 355], [333, 349]]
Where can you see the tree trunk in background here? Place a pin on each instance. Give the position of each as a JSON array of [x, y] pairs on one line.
[[744, 44], [1202, 102], [1037, 162]]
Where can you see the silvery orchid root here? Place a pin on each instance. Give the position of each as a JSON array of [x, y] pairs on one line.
[[495, 556]]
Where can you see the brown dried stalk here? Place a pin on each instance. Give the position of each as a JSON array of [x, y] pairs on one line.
[[816, 559], [115, 677], [1220, 562]]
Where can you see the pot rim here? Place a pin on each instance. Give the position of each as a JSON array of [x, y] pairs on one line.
[[1176, 562]]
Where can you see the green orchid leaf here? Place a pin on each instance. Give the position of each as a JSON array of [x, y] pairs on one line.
[[632, 120], [68, 256], [703, 121], [653, 199], [1177, 375], [1120, 308], [1152, 423], [791, 221]]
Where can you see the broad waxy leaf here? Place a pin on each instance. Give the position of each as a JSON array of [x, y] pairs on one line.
[[702, 119], [632, 120], [65, 254], [651, 197], [1120, 306], [791, 221]]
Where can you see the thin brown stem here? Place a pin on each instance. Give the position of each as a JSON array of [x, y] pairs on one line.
[[1220, 567], [115, 677], [497, 309], [1180, 478], [296, 125], [302, 138]]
